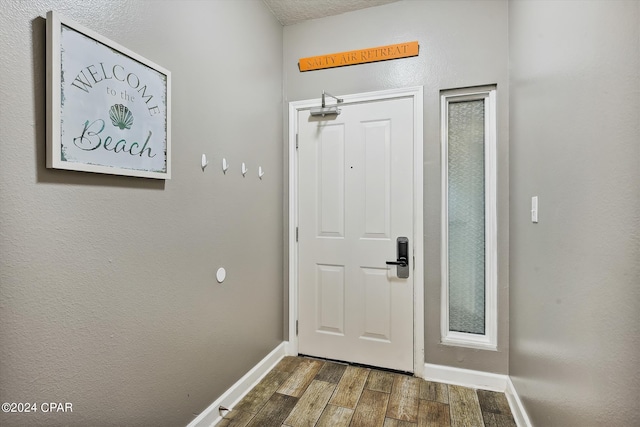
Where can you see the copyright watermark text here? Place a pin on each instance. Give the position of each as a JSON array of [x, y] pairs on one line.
[[26, 407]]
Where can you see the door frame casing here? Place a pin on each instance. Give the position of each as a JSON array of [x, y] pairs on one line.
[[415, 93]]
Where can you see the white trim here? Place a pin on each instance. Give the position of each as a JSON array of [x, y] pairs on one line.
[[488, 341], [517, 408], [289, 350], [465, 377], [418, 234], [294, 107], [211, 416], [480, 380]]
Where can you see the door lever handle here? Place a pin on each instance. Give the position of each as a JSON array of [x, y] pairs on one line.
[[401, 262]]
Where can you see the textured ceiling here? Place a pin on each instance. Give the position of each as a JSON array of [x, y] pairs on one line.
[[289, 12]]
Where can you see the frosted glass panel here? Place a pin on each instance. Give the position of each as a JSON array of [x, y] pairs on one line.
[[466, 217]]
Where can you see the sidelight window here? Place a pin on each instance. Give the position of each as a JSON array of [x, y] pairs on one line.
[[469, 264]]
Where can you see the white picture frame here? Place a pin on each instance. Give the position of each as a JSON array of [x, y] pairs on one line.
[[108, 108]]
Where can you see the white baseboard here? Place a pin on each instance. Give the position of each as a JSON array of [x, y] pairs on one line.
[[480, 380], [520, 415], [211, 416], [465, 377]]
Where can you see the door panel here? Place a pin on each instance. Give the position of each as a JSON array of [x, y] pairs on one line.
[[377, 209], [330, 166], [377, 307], [330, 299], [355, 193]]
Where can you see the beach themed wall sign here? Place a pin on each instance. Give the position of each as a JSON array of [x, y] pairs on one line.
[[108, 109]]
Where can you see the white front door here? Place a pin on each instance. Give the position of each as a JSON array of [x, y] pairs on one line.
[[355, 198]]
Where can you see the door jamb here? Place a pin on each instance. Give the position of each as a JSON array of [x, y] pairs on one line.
[[416, 93]]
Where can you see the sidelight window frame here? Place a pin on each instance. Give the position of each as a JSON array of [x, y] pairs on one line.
[[488, 340]]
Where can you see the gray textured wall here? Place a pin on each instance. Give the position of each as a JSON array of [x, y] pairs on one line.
[[108, 297], [462, 43], [575, 276]]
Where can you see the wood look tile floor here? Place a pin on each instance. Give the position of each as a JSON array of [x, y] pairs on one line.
[[306, 392]]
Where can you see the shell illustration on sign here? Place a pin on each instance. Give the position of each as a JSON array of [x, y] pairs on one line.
[[121, 116]]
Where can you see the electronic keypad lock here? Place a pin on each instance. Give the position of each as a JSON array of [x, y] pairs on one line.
[[402, 263]]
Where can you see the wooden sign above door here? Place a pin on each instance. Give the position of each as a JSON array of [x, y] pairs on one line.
[[362, 56]]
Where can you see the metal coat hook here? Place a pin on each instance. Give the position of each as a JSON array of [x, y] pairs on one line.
[[204, 161], [244, 169], [225, 165], [260, 172]]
